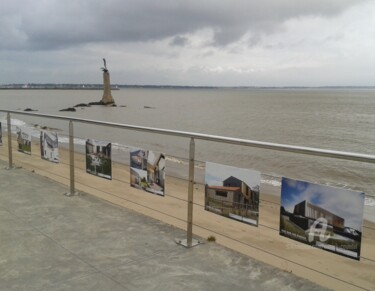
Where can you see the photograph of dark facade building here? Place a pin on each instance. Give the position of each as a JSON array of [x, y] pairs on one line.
[[311, 213], [147, 171], [23, 140], [49, 146], [99, 158], [236, 196], [319, 215]]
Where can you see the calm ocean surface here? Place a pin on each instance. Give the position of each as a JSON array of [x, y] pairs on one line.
[[336, 119]]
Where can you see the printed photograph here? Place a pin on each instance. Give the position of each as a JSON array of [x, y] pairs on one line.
[[23, 140], [147, 171], [99, 158], [232, 192], [49, 146], [1, 135], [321, 216]]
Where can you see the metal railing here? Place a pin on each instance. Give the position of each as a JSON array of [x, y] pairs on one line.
[[189, 241], [192, 136]]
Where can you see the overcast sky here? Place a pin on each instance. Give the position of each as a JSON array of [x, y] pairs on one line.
[[217, 173], [180, 42]]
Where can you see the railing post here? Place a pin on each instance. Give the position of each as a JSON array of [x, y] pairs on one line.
[[71, 160], [10, 154], [190, 193], [189, 242]]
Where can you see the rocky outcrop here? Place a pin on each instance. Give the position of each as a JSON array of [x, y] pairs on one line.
[[102, 103], [71, 109], [82, 105]]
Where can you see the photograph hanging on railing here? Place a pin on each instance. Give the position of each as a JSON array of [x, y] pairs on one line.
[[232, 192], [1, 135], [147, 171], [24, 140], [99, 158], [322, 216], [49, 146]]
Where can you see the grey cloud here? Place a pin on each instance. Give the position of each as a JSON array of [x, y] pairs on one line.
[[179, 41], [57, 24]]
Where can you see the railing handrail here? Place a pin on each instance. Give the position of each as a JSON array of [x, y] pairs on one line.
[[190, 242], [216, 138]]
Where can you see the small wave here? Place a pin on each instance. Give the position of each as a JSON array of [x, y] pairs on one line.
[[17, 123], [37, 126], [32, 129], [78, 141], [369, 201], [14, 122], [176, 160], [271, 182], [120, 147]]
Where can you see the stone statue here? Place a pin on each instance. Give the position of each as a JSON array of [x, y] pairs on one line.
[[107, 96], [104, 69]]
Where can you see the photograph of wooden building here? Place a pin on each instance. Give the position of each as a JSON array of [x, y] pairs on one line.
[[99, 158], [319, 215], [23, 140], [49, 146], [232, 192], [147, 171]]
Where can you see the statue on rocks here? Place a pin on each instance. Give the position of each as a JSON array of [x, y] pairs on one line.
[[107, 96]]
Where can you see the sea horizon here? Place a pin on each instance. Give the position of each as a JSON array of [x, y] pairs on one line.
[[89, 86]]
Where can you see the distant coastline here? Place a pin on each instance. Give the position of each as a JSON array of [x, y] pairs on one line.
[[55, 87], [41, 86]]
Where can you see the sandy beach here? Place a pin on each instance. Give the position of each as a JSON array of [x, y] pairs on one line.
[[262, 243]]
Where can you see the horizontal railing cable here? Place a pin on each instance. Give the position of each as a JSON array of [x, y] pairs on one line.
[[215, 232], [215, 138], [178, 198], [182, 199], [280, 257]]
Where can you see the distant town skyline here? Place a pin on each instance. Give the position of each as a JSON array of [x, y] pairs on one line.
[[270, 43]]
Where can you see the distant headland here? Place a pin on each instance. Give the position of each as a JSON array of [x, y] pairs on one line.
[[53, 86]]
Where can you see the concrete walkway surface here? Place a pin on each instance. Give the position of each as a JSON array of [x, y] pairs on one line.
[[52, 242]]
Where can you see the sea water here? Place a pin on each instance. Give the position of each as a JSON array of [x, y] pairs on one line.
[[335, 119]]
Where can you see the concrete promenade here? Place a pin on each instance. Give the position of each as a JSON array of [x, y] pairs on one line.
[[52, 242]]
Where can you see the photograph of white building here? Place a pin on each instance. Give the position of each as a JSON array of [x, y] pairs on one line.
[[147, 171], [49, 146]]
